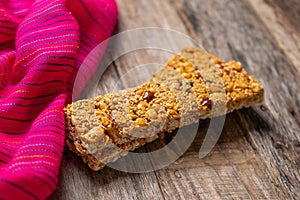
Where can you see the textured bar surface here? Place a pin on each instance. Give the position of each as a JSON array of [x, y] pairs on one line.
[[192, 85]]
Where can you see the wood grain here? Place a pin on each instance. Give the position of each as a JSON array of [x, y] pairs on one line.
[[258, 154], [281, 17], [230, 171], [288, 10], [78, 182], [277, 122]]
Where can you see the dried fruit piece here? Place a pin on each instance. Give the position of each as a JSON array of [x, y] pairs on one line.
[[148, 96]]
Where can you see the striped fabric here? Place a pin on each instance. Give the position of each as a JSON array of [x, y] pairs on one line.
[[42, 44]]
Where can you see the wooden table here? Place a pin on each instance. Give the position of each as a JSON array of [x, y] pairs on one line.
[[258, 154]]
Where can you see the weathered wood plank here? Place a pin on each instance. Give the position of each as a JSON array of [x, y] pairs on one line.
[[283, 24], [289, 10], [184, 190], [272, 129], [143, 13], [230, 171], [77, 181], [257, 156]]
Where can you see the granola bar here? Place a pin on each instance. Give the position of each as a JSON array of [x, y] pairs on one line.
[[106, 127], [192, 85], [213, 81]]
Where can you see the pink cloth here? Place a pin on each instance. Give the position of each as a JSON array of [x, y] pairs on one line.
[[42, 44]]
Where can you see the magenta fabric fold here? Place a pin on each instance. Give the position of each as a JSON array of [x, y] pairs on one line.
[[42, 45]]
